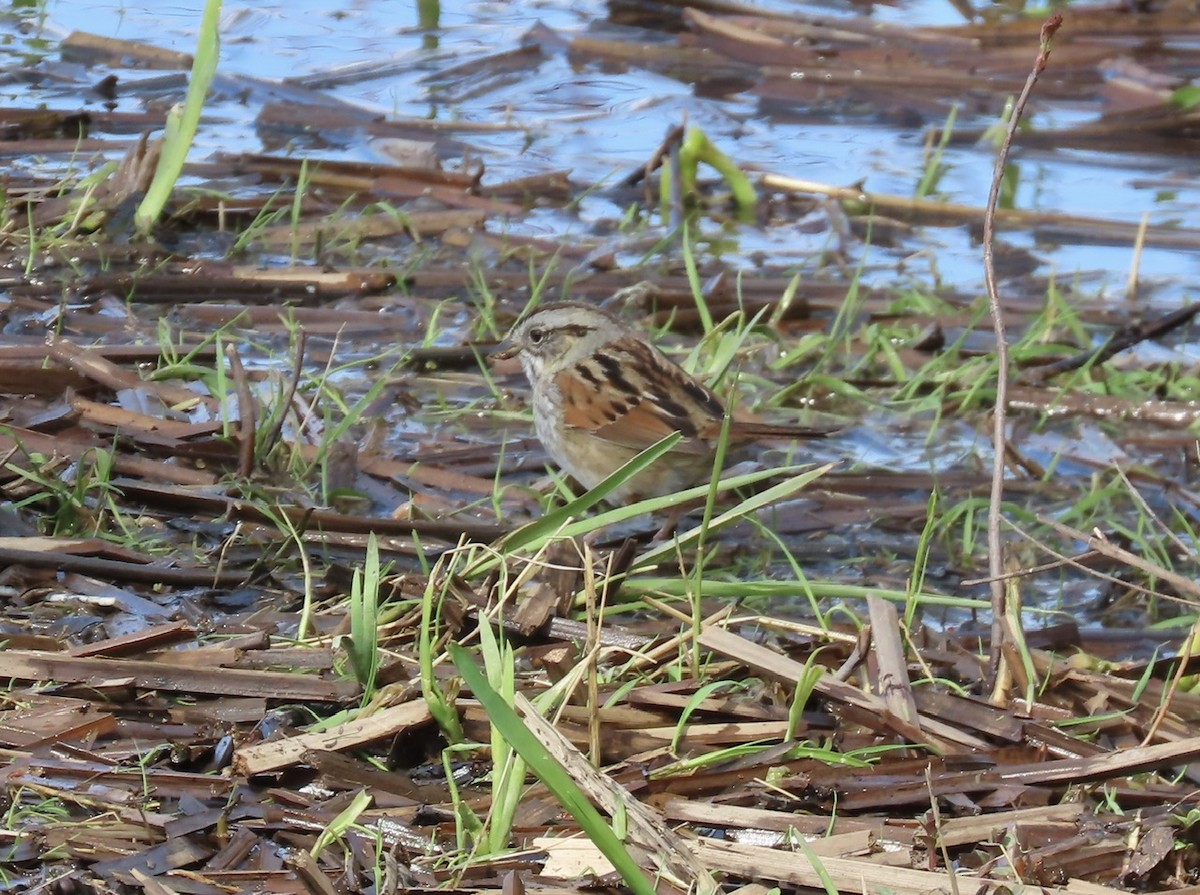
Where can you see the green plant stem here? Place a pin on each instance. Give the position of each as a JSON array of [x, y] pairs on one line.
[[182, 123], [551, 773], [698, 148]]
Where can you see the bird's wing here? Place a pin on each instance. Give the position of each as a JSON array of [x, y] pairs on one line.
[[633, 395]]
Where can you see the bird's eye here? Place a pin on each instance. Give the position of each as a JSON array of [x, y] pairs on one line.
[[536, 335]]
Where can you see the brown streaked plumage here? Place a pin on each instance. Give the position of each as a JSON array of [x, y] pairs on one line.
[[603, 393]]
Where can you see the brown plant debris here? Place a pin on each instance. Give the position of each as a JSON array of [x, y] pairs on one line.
[[193, 463]]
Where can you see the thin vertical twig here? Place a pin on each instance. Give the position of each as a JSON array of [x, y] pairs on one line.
[[999, 415], [247, 414], [272, 436]]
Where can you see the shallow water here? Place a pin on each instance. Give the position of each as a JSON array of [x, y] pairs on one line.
[[601, 121], [520, 113]]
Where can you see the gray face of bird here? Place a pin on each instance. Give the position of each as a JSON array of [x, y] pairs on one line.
[[558, 337]]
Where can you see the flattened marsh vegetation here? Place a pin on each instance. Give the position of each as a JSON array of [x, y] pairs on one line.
[[293, 598]]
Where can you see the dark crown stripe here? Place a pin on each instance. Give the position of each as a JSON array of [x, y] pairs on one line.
[[576, 330]]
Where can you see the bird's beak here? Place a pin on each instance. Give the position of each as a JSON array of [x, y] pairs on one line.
[[505, 350]]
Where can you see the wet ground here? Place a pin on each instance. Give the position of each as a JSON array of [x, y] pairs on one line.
[[225, 410], [552, 110], [528, 88], [542, 118]]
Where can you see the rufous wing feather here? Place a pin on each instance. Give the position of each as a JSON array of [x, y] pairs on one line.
[[628, 410], [617, 416]]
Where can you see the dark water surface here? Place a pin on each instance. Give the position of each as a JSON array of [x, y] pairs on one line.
[[523, 90], [599, 120]]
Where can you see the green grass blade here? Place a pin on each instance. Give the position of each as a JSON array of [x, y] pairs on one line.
[[780, 491], [440, 705], [776, 589], [342, 823], [364, 620], [551, 773], [181, 126], [508, 768], [534, 535]]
